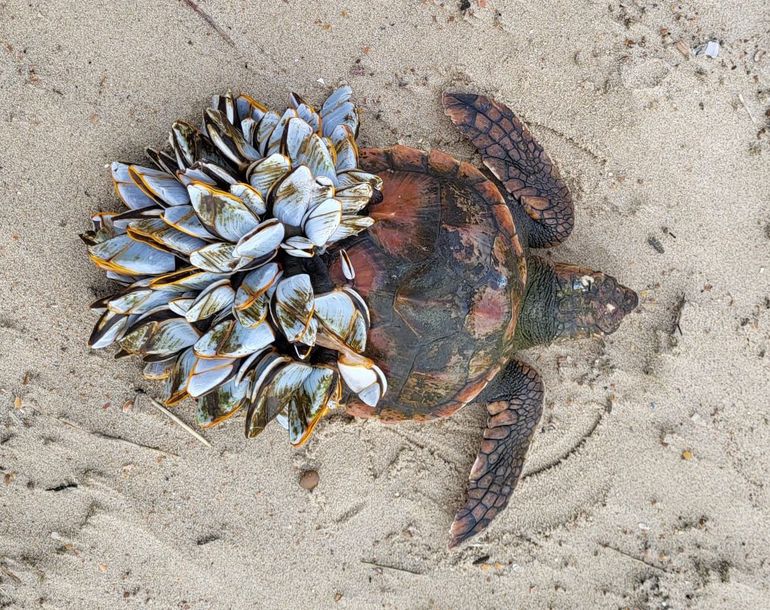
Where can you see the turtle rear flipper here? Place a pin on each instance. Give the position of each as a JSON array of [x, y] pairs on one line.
[[514, 403], [518, 161]]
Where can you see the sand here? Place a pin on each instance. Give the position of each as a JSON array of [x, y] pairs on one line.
[[647, 484]]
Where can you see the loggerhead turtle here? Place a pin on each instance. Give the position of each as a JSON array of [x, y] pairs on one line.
[[454, 291]]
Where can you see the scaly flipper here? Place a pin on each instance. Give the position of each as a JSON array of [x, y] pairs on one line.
[[518, 161], [514, 403]]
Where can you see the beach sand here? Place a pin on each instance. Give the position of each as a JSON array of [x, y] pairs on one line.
[[647, 483]]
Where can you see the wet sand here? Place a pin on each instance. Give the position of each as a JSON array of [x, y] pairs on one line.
[[647, 484]]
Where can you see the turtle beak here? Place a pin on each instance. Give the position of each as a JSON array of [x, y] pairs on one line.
[[630, 300]]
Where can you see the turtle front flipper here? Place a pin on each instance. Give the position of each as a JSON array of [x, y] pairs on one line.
[[514, 403], [518, 161]]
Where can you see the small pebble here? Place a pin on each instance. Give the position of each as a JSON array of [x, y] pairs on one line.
[[683, 48], [687, 455], [308, 480], [655, 243]]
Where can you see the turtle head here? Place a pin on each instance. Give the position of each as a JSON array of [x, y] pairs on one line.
[[566, 301]]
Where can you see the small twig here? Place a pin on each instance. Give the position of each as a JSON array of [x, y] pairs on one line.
[[677, 315], [117, 439], [604, 545], [19, 421], [746, 106], [10, 574], [396, 568], [177, 420], [210, 21]]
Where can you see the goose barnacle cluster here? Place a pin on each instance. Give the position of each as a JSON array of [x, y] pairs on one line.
[[224, 294]]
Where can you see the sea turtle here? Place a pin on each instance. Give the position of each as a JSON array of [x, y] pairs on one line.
[[454, 291]]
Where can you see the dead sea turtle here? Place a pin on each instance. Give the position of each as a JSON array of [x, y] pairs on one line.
[[454, 291]]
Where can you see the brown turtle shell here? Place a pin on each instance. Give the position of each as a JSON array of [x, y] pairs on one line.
[[443, 272]]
